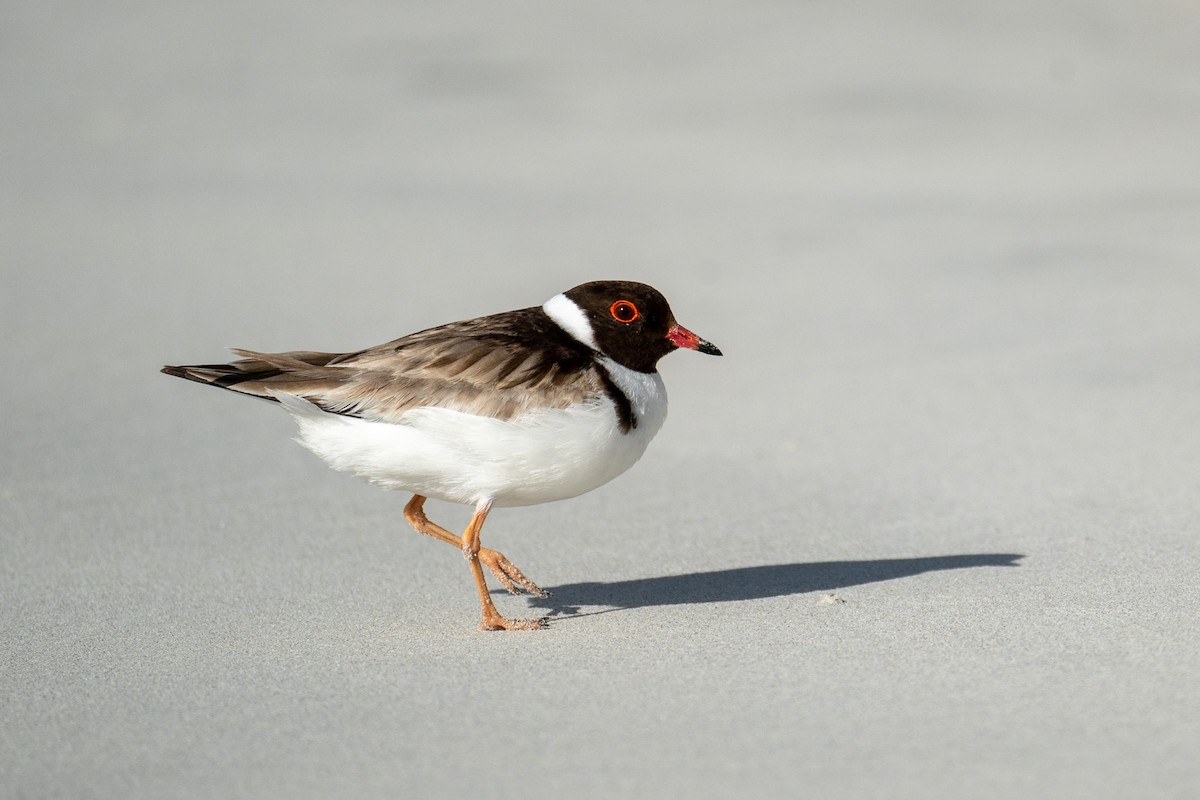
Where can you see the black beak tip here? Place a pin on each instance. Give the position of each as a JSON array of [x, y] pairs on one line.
[[708, 348]]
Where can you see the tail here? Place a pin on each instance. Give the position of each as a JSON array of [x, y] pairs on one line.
[[259, 374]]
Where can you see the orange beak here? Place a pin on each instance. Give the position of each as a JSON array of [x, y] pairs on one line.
[[682, 337]]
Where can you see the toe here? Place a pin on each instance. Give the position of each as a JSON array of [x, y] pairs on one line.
[[499, 623]]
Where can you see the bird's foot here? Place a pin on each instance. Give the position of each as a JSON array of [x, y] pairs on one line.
[[508, 574], [494, 622]]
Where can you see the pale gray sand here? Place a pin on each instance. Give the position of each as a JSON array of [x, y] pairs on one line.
[[950, 251]]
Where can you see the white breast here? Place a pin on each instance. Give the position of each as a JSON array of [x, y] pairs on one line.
[[546, 455]]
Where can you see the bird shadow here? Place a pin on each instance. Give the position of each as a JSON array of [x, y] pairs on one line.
[[750, 583]]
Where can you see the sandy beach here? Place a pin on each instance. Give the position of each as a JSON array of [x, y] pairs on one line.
[[928, 530]]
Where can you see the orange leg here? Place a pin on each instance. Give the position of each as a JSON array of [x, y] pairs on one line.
[[492, 620], [504, 570], [495, 561]]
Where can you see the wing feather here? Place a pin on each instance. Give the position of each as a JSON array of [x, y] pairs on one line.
[[499, 366]]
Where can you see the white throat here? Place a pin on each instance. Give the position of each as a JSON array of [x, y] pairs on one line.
[[646, 392], [570, 317]]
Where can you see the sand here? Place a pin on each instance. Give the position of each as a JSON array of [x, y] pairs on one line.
[[928, 530]]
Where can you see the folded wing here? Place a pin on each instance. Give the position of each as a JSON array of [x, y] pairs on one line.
[[490, 366]]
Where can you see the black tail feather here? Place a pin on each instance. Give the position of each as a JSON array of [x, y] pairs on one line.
[[223, 376]]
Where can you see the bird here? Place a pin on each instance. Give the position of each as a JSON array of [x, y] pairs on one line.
[[512, 409]]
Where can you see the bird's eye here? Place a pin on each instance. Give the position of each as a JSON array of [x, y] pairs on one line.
[[623, 311]]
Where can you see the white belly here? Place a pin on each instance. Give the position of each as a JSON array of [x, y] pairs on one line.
[[437, 452]]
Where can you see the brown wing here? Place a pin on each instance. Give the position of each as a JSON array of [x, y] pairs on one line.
[[499, 366]]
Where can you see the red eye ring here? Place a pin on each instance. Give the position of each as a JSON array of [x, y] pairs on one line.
[[624, 311]]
